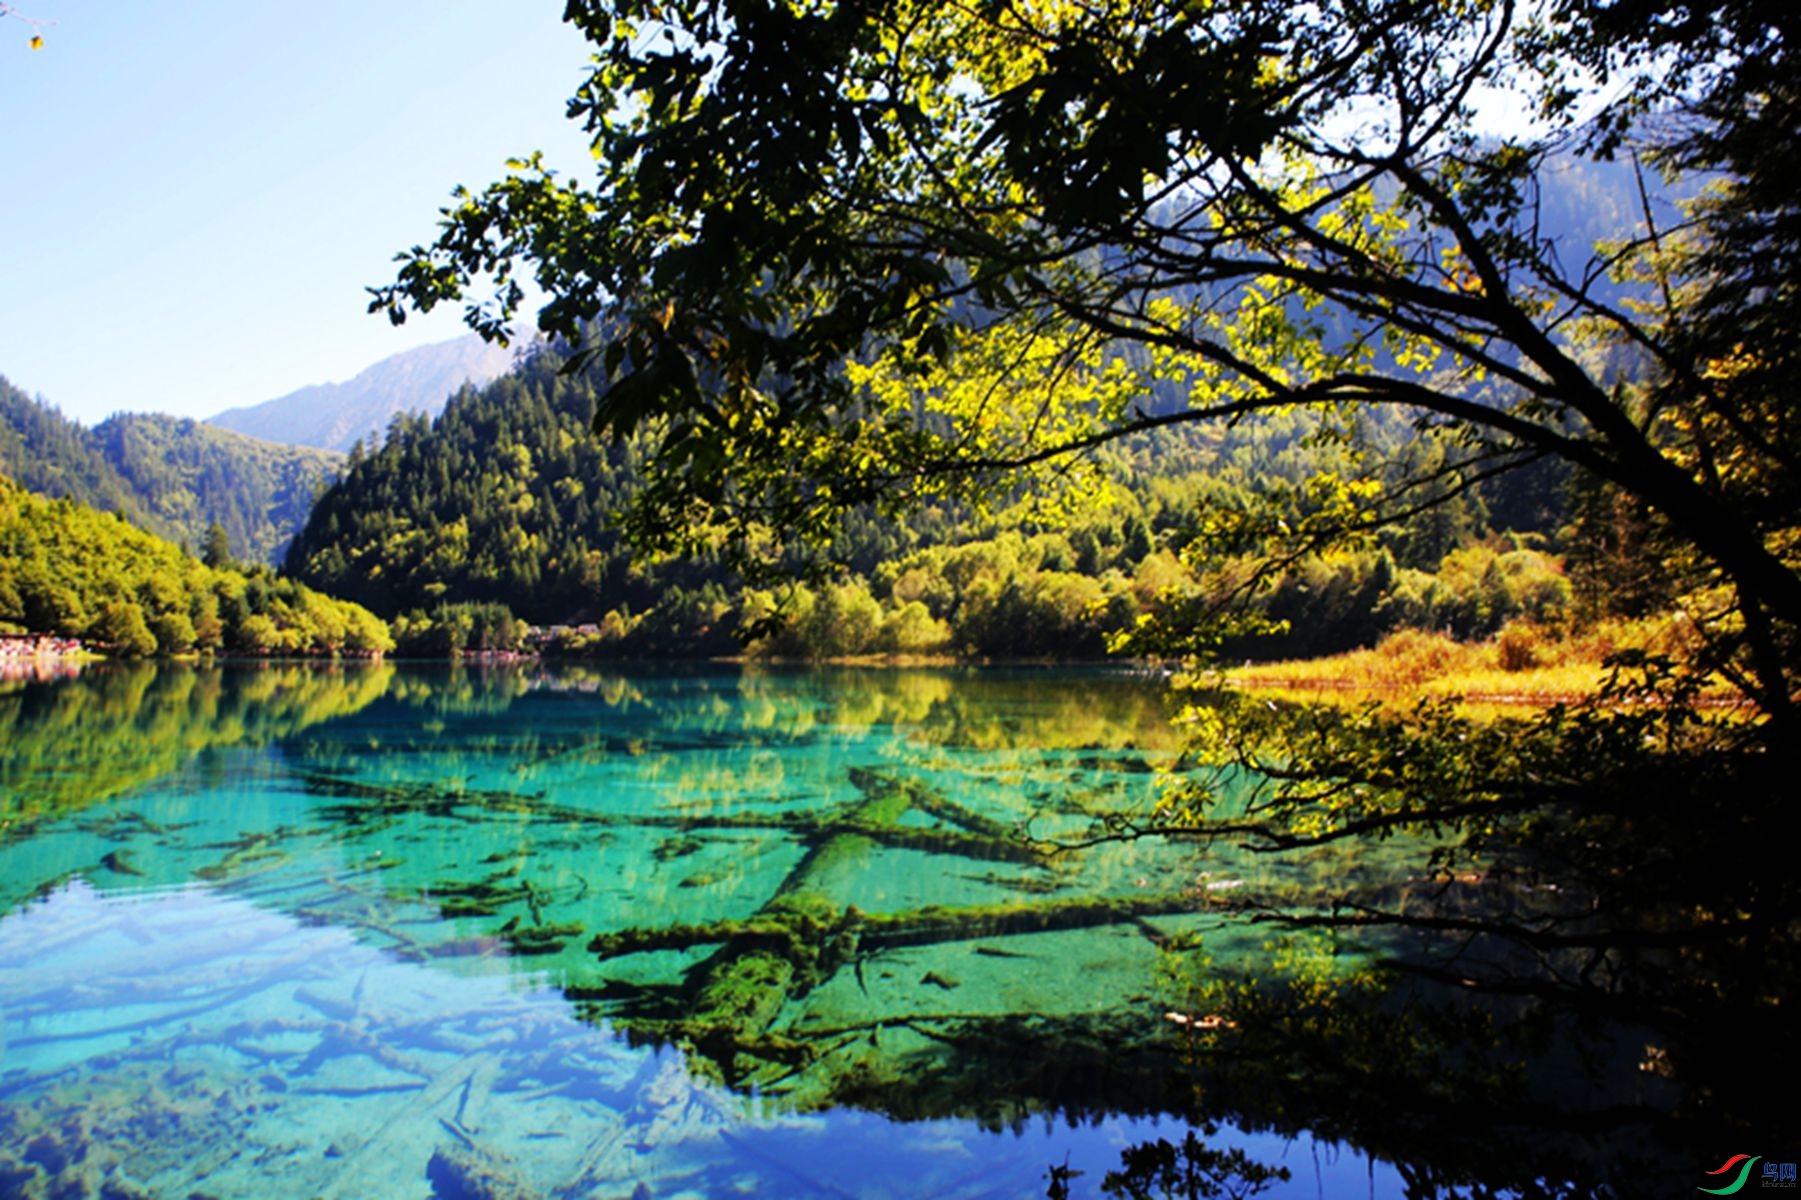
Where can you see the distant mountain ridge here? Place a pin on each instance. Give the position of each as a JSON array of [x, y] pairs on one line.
[[334, 416], [171, 476]]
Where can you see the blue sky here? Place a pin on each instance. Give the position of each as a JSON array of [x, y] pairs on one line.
[[196, 192]]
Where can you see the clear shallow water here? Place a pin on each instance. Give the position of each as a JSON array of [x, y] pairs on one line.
[[384, 932]]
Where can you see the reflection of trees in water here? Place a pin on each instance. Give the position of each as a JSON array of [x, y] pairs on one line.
[[1584, 964], [740, 1002], [120, 726], [983, 710], [1464, 1088], [685, 730], [1465, 1093], [1190, 1169], [1532, 1079], [1405, 1072]]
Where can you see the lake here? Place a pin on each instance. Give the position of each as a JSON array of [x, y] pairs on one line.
[[527, 931]]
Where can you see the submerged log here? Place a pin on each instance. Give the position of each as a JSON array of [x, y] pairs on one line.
[[935, 924], [796, 940], [932, 802], [400, 1131], [730, 1001], [464, 1172]]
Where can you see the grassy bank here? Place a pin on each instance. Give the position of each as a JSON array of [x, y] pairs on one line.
[[1522, 664]]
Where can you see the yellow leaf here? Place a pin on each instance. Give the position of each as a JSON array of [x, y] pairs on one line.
[[37, 41]]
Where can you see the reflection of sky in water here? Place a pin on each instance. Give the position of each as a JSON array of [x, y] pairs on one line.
[[294, 932], [185, 1040]]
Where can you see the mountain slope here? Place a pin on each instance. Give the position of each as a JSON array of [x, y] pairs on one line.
[[336, 415], [190, 474], [71, 570], [46, 452], [171, 476], [502, 497]]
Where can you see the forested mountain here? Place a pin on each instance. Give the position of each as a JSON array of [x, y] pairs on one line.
[[334, 416], [71, 570], [499, 508], [502, 498], [191, 475], [172, 476], [46, 452]]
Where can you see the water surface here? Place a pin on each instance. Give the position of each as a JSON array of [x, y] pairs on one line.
[[406, 932]]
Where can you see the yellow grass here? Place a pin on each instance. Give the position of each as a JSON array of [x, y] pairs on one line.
[[1523, 664]]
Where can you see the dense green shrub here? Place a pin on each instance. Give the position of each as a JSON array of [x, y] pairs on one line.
[[69, 570]]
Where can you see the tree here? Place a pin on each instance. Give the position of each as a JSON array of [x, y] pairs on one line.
[[121, 628], [215, 549], [898, 251], [1032, 218]]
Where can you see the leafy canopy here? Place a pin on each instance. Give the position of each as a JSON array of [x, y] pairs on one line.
[[894, 251]]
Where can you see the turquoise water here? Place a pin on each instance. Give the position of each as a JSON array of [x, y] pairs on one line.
[[403, 932]]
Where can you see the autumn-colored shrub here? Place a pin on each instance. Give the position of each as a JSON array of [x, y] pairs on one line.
[[1518, 646]]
